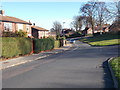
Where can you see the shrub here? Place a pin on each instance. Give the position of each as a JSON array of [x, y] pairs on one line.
[[57, 37], [16, 34], [21, 33], [76, 34], [43, 44], [9, 34], [57, 44], [15, 46], [67, 36]]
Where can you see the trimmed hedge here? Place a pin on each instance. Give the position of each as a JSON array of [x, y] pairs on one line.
[[43, 44], [15, 46], [57, 44], [18, 46]]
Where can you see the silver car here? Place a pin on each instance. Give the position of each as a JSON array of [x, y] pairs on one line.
[[72, 41]]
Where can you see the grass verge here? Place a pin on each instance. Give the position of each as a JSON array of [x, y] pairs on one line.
[[103, 40], [115, 64]]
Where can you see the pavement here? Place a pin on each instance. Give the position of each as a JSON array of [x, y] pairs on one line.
[[25, 59], [83, 66]]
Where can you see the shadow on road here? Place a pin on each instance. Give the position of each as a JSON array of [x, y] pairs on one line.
[[107, 76]]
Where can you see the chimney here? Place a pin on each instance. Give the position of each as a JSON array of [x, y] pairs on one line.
[[29, 21], [1, 12], [33, 24]]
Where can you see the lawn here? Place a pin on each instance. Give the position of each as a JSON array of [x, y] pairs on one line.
[[103, 40], [115, 64]]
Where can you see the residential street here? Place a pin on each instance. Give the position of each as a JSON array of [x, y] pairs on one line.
[[81, 67]]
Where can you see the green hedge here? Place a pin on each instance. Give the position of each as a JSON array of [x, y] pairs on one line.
[[57, 44], [43, 44], [18, 46], [15, 46]]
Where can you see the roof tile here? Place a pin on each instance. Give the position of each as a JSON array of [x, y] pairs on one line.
[[13, 20]]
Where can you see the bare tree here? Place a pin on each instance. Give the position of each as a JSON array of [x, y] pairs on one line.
[[89, 10], [86, 21], [52, 30], [114, 8], [57, 27], [74, 25], [102, 14], [80, 21], [116, 13], [77, 23]]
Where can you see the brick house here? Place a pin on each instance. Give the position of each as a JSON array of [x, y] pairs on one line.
[[105, 28], [38, 32], [115, 27], [53, 34], [68, 31], [88, 30], [13, 24]]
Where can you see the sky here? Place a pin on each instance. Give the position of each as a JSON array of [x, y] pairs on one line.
[[43, 14]]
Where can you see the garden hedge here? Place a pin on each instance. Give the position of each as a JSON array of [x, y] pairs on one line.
[[15, 46], [18, 46], [43, 44], [57, 44]]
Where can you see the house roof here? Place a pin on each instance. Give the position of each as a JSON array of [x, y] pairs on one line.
[[13, 20], [39, 28], [86, 28]]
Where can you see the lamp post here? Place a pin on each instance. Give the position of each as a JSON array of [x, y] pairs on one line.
[[63, 29]]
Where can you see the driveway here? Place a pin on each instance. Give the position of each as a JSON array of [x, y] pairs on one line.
[[81, 67]]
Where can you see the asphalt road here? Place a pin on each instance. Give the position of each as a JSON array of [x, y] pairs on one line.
[[81, 67]]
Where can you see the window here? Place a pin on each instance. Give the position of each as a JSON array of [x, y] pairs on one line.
[[20, 27], [7, 26], [27, 28]]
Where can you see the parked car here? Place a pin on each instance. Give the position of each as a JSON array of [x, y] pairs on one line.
[[72, 41], [68, 39]]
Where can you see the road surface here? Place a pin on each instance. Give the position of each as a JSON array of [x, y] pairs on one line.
[[81, 67]]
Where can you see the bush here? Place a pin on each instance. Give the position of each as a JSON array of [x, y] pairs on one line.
[[9, 34], [16, 34], [15, 46], [96, 34], [21, 33], [76, 34], [57, 44], [67, 36], [43, 44]]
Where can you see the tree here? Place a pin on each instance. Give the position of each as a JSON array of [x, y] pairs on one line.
[[97, 13], [57, 27], [89, 10], [77, 23], [86, 21], [115, 10], [116, 13], [80, 20], [102, 14], [52, 30]]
